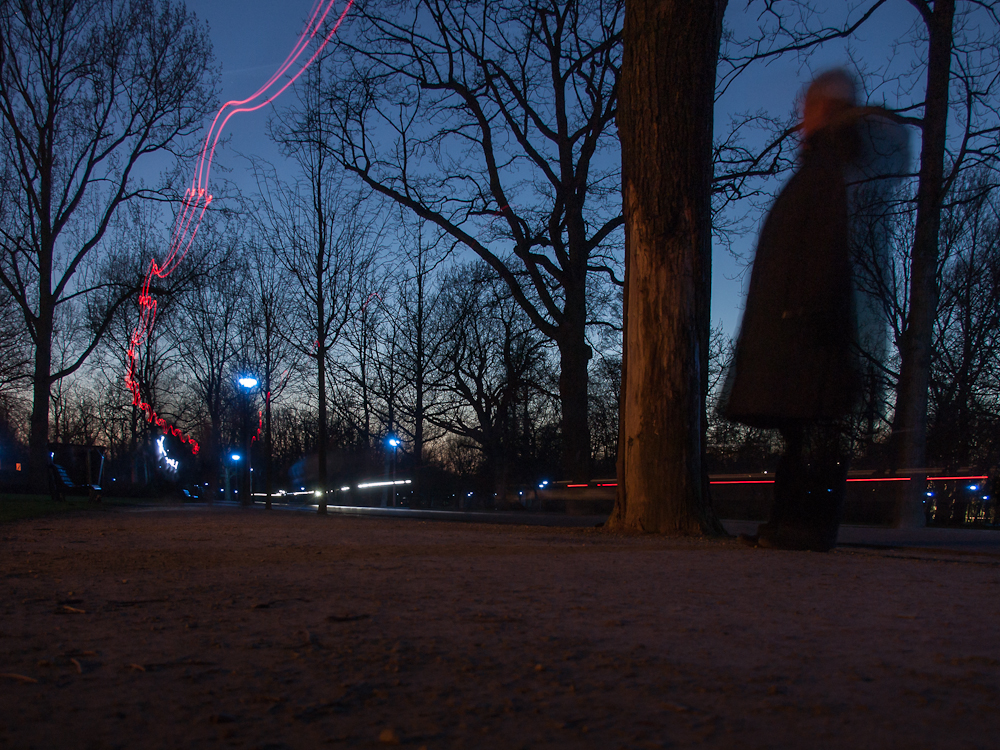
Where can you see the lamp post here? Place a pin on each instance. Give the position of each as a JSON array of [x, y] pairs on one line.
[[235, 459], [249, 382], [267, 443], [394, 442]]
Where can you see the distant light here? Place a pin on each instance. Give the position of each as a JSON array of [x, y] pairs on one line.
[[930, 494], [247, 381], [235, 456], [344, 489], [973, 487], [394, 442], [317, 493]]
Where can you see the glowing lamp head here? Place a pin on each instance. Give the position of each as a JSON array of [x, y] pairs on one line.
[[247, 381], [394, 442], [236, 457]]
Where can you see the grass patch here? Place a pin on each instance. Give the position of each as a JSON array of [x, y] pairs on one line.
[[21, 507]]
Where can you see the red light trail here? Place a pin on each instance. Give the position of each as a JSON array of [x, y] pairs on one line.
[[197, 198]]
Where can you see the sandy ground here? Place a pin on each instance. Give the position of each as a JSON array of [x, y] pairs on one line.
[[218, 628]]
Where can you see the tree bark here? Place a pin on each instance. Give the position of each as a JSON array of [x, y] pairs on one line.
[[574, 354], [665, 121], [909, 426], [38, 436]]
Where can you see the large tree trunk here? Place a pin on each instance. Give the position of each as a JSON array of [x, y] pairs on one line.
[[909, 425], [38, 436], [665, 120], [574, 355]]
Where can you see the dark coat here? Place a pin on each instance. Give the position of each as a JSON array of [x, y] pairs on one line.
[[796, 355]]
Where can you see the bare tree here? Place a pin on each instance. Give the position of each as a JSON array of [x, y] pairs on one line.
[[964, 382], [136, 235], [671, 51], [15, 357], [267, 348], [493, 356], [422, 335], [361, 344], [326, 238], [205, 330], [951, 95], [494, 120], [89, 89]]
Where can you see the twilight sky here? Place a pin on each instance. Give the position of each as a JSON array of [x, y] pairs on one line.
[[251, 39]]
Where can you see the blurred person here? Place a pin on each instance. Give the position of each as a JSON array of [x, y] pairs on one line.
[[808, 331]]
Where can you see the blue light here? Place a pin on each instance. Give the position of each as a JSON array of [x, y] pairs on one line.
[[393, 441], [973, 487], [236, 456], [247, 381]]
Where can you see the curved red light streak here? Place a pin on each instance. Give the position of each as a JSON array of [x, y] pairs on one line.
[[197, 198]]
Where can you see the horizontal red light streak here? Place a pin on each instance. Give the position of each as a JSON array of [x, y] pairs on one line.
[[942, 479], [771, 481], [882, 479]]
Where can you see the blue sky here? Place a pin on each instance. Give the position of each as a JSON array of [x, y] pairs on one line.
[[251, 38]]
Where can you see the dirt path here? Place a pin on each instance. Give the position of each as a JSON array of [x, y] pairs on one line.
[[247, 629]]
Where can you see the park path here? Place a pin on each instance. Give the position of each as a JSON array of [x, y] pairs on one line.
[[221, 627]]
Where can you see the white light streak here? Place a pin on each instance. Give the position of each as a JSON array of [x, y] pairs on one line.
[[383, 484]]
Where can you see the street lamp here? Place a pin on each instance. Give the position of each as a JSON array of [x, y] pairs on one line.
[[394, 442], [249, 382], [235, 459]]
